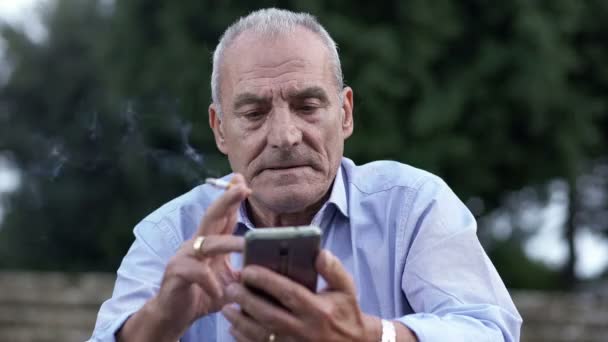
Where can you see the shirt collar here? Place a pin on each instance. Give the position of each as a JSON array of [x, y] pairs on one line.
[[337, 198], [338, 193]]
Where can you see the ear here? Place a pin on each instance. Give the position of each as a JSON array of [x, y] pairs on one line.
[[215, 122], [347, 112]]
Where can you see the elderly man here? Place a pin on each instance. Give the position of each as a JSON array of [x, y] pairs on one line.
[[400, 259]]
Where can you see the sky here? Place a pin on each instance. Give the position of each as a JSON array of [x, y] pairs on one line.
[[546, 245], [549, 245], [16, 12], [22, 12], [14, 8]]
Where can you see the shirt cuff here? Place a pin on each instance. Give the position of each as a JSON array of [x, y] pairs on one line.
[[430, 328], [107, 332], [416, 324]]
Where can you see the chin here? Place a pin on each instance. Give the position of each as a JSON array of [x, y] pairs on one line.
[[290, 198]]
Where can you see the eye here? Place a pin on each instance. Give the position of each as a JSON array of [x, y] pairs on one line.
[[307, 108], [254, 115]]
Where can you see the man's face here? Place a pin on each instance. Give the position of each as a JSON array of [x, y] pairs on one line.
[[283, 125]]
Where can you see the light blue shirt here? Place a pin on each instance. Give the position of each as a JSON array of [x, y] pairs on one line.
[[409, 243]]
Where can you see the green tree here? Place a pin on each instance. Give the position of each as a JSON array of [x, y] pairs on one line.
[[91, 164], [494, 97]]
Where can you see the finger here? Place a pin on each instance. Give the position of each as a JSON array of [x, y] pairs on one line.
[[292, 295], [237, 179], [226, 204], [217, 215], [230, 223], [194, 272], [230, 273], [239, 337], [336, 276], [243, 324], [217, 244], [272, 317]]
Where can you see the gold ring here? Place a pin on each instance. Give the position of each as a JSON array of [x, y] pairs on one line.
[[198, 245], [271, 337]]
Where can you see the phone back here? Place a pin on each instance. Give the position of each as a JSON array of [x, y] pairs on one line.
[[289, 251]]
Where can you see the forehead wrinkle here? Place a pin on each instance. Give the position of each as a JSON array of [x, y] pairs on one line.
[[287, 81], [291, 79], [295, 62], [262, 73]]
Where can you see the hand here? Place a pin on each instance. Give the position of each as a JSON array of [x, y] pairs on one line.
[[193, 283], [331, 315]]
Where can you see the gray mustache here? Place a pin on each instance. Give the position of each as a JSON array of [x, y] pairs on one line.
[[284, 159]]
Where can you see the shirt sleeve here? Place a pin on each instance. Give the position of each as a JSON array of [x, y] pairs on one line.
[[138, 277], [449, 281]]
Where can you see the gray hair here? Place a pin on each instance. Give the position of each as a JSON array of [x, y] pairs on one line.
[[271, 22]]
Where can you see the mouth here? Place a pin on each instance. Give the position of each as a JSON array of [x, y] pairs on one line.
[[285, 168]]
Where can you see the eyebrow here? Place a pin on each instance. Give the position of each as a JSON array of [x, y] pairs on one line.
[[306, 93], [249, 98], [310, 92]]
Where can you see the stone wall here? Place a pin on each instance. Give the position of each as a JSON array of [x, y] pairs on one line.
[[561, 317], [61, 307], [50, 306]]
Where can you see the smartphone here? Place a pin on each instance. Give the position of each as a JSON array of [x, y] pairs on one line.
[[290, 251]]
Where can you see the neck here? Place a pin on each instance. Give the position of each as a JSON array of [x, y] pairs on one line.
[[262, 216]]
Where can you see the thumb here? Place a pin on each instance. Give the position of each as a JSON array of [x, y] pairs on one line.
[[336, 276]]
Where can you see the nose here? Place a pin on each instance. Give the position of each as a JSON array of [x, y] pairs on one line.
[[284, 132]]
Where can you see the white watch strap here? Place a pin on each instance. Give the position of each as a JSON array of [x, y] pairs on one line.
[[388, 331]]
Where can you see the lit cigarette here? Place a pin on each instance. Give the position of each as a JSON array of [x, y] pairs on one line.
[[218, 183]]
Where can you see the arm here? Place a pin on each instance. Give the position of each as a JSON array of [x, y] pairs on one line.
[[148, 324], [192, 287], [448, 279], [404, 334], [138, 279], [193, 281]]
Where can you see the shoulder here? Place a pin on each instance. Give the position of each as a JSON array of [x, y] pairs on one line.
[[383, 175], [198, 198], [418, 197], [414, 190], [176, 220]]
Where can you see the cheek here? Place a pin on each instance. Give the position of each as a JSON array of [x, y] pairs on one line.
[[332, 139], [244, 148]]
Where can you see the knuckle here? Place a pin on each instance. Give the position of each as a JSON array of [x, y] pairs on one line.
[[290, 297], [283, 329], [237, 297], [205, 269], [173, 268], [344, 305], [327, 311], [269, 322]]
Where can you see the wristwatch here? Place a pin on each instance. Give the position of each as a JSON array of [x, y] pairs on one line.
[[388, 331]]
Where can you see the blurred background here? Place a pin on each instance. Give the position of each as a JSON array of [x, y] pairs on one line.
[[103, 118]]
